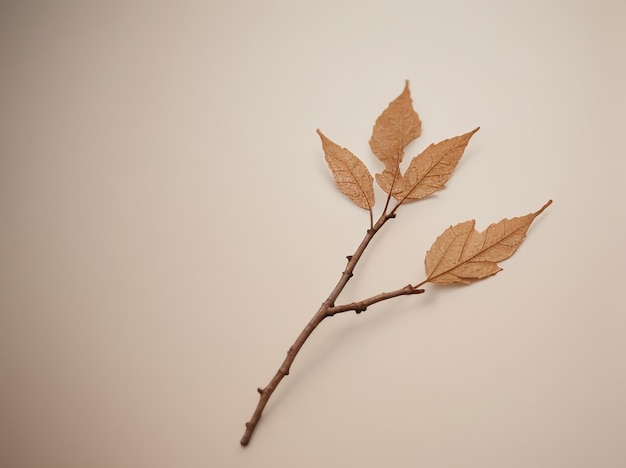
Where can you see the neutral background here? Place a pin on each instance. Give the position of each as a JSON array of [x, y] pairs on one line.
[[168, 226]]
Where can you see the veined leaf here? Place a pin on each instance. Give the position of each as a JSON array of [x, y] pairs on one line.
[[388, 180], [351, 176], [427, 172], [395, 128], [461, 254]]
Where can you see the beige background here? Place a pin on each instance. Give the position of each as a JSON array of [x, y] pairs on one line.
[[168, 226]]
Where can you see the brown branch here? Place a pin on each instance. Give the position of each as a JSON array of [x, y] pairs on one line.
[[266, 393], [361, 306], [327, 309]]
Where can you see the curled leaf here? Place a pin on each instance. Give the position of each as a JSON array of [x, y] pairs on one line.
[[427, 172], [461, 254], [395, 128], [351, 175]]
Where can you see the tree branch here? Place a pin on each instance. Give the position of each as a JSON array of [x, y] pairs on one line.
[[266, 393], [361, 306], [327, 309]]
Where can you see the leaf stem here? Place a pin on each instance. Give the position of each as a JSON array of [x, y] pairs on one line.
[[393, 183], [327, 309]]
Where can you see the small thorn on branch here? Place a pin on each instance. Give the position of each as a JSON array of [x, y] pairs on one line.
[[260, 390], [349, 257]]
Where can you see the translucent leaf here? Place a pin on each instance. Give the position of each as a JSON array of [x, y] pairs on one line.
[[427, 172], [351, 176], [395, 128], [388, 180], [461, 254]]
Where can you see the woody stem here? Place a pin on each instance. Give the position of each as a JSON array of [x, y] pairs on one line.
[[327, 309]]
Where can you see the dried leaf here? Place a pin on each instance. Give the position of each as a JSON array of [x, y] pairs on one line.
[[461, 254], [351, 176], [388, 180], [395, 128], [427, 172]]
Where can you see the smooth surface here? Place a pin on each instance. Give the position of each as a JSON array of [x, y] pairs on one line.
[[168, 226]]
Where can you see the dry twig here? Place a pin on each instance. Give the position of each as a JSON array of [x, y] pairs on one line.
[[460, 255]]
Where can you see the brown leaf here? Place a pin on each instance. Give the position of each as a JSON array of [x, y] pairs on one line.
[[461, 254], [395, 128], [427, 172], [388, 179], [351, 176]]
